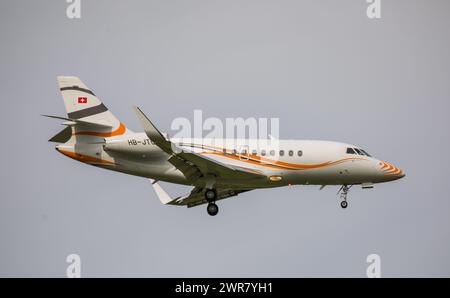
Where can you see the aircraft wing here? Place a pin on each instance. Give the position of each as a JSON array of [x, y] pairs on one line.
[[198, 198], [191, 164], [194, 198]]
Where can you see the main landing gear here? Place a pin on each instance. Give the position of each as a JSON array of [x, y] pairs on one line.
[[343, 194], [212, 209], [211, 196]]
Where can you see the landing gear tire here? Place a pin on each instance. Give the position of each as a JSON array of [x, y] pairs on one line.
[[212, 209], [343, 193], [210, 195]]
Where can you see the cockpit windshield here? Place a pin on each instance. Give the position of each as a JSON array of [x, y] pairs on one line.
[[350, 151], [365, 152], [358, 151]]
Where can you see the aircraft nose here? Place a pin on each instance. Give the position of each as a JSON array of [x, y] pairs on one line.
[[391, 171]]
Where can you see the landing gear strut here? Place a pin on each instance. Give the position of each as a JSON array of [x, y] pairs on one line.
[[343, 194], [211, 196]]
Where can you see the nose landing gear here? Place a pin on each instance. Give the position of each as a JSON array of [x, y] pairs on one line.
[[343, 191]]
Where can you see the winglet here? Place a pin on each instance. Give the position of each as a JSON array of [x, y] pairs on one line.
[[152, 132], [148, 126], [163, 196]]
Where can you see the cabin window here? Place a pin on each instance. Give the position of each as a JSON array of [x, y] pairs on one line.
[[350, 151], [224, 151], [272, 152], [263, 152], [281, 152], [299, 152], [254, 152], [291, 152], [234, 152]]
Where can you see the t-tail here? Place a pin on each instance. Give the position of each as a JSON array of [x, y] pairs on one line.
[[88, 119]]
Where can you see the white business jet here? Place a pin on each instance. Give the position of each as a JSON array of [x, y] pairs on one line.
[[215, 169]]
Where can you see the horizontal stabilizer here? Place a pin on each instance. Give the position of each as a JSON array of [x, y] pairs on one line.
[[80, 122], [62, 136]]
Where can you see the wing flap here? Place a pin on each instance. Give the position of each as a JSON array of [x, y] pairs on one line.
[[194, 198], [199, 199]]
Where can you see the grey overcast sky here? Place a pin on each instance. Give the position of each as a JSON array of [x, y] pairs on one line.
[[325, 69]]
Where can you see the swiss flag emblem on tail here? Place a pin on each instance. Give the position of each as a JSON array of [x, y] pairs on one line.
[[82, 99]]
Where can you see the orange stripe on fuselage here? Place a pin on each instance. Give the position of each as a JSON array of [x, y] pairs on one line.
[[85, 158], [265, 162], [262, 161], [246, 161], [119, 131]]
